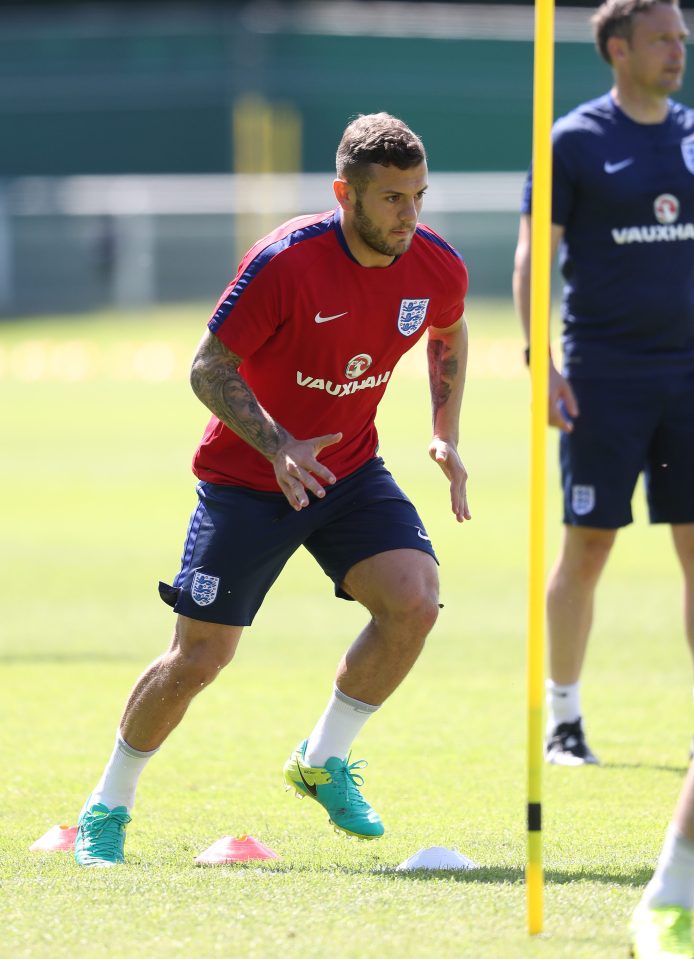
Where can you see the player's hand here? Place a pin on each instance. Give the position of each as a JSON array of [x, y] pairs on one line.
[[563, 408], [446, 455], [298, 471]]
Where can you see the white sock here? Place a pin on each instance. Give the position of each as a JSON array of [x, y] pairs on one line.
[[563, 703], [337, 728], [119, 780], [673, 880]]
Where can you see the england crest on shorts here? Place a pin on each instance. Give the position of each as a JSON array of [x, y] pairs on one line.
[[412, 315], [688, 152], [582, 499], [204, 588]]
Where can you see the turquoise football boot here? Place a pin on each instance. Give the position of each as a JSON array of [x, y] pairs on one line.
[[101, 835], [664, 932], [335, 787]]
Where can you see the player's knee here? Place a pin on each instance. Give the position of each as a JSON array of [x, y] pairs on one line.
[[198, 666], [426, 609], [415, 607], [594, 556], [585, 556], [200, 651]]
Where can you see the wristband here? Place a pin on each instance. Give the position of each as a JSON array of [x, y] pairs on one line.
[[526, 354]]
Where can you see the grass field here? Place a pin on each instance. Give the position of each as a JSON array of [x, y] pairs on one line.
[[97, 430]]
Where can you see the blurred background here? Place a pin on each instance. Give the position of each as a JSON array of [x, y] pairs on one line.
[[145, 146]]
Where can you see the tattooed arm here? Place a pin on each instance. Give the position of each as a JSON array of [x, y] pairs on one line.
[[217, 383], [447, 355]]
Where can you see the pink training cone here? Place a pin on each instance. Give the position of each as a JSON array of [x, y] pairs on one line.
[[57, 839], [235, 849]]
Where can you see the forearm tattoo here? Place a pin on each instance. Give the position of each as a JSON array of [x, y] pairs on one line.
[[443, 369], [217, 383]]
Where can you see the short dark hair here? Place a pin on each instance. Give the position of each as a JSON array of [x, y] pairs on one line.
[[376, 138], [615, 18]]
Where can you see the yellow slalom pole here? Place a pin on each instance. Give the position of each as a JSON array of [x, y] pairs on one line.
[[543, 106]]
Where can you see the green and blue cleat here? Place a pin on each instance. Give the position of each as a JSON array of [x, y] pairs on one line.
[[664, 932], [335, 787], [101, 835]]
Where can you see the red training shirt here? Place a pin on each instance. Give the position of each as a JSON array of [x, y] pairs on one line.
[[320, 336]]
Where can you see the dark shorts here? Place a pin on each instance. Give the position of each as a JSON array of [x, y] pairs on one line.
[[627, 427], [239, 540]]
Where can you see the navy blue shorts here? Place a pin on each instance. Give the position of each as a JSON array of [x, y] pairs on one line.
[[626, 427], [240, 539]]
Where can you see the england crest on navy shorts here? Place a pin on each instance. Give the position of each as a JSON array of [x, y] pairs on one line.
[[412, 315], [204, 588], [582, 499], [688, 152]]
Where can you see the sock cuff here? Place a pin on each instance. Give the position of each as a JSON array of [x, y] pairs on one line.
[[673, 837], [131, 751], [552, 687], [355, 704]]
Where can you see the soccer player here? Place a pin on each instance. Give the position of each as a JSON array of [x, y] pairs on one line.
[[661, 926], [292, 366], [623, 222]]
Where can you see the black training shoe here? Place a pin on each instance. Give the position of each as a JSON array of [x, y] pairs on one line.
[[567, 746]]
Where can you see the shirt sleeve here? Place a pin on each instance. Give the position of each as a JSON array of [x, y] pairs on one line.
[[453, 305], [563, 176], [527, 195], [251, 308], [563, 179]]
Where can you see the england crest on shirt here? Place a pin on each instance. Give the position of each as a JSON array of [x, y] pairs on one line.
[[204, 588], [688, 152], [412, 315]]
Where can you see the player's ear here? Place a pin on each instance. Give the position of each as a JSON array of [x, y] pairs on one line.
[[345, 194], [617, 48]]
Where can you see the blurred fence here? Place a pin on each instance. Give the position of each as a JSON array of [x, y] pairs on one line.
[[80, 243], [194, 120], [113, 88]]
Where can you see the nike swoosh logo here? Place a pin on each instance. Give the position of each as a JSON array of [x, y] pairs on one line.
[[326, 319], [312, 789], [616, 167], [423, 535]]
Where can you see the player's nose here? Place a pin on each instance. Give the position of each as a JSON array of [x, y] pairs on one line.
[[408, 214]]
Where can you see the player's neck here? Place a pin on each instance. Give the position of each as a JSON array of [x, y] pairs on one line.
[[647, 108], [364, 254]]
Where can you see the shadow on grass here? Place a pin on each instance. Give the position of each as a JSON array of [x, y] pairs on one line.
[[24, 659], [680, 770], [489, 875], [516, 876]]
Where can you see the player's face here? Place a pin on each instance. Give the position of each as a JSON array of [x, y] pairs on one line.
[[386, 212], [655, 55]]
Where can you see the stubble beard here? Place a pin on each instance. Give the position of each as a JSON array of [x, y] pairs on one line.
[[372, 236]]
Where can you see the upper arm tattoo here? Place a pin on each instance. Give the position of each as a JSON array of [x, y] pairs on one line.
[[217, 383]]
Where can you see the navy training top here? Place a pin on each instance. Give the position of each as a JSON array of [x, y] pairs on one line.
[[624, 193]]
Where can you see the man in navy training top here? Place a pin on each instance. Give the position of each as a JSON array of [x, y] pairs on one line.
[[623, 223], [292, 366]]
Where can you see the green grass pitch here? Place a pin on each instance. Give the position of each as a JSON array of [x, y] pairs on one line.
[[97, 430]]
